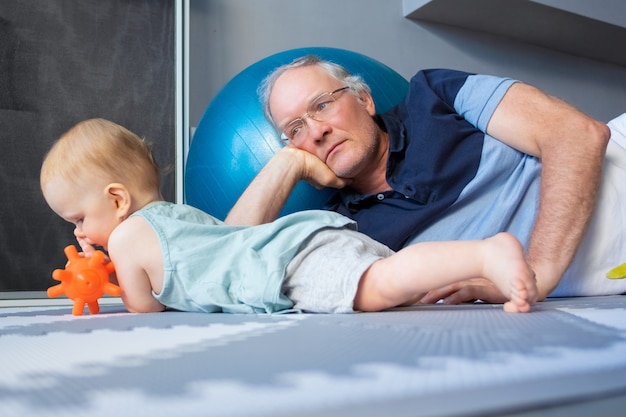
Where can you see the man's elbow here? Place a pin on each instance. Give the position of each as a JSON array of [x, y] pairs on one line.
[[598, 134]]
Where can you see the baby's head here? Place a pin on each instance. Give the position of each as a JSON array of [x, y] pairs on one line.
[[96, 175], [103, 150]]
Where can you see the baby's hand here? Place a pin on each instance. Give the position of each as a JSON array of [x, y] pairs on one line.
[[87, 248]]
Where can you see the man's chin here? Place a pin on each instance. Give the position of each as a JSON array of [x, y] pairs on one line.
[[341, 172], [342, 165]]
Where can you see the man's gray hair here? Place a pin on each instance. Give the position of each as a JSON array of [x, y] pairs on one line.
[[355, 82]]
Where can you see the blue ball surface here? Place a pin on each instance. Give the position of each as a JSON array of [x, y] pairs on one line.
[[233, 140]]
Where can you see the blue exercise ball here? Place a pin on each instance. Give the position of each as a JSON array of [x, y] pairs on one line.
[[233, 140]]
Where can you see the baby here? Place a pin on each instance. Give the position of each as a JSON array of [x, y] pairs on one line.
[[103, 178]]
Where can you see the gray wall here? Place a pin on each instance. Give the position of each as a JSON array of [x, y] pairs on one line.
[[62, 61], [228, 35]]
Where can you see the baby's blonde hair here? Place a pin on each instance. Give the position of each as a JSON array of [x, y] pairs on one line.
[[103, 148]]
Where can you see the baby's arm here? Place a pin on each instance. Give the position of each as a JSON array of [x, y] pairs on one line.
[[134, 264]]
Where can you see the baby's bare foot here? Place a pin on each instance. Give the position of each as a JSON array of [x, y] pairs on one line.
[[506, 267], [520, 301]]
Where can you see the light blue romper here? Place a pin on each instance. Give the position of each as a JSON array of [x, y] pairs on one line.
[[213, 267]]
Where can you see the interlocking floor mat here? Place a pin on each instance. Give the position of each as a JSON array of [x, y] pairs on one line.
[[435, 360]]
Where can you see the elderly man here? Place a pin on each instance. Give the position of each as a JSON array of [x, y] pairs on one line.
[[463, 156]]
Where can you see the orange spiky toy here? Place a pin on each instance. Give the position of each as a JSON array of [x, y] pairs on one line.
[[84, 280]]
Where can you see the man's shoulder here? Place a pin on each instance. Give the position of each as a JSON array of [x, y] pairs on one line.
[[440, 78]]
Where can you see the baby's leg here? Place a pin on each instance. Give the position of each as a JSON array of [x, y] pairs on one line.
[[405, 276]]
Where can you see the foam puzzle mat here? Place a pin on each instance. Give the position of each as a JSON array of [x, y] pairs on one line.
[[434, 360]]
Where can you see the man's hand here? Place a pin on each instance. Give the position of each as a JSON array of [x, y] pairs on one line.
[[466, 291], [313, 170], [267, 194]]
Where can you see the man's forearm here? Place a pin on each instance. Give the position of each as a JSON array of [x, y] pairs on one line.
[[571, 147], [570, 181], [267, 194]]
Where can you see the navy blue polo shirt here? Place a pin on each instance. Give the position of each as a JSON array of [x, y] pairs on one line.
[[436, 141]]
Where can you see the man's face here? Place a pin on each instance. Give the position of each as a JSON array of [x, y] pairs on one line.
[[346, 139]]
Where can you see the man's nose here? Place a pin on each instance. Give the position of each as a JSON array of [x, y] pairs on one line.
[[317, 129]]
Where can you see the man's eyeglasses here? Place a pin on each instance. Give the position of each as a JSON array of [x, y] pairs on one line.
[[322, 107]]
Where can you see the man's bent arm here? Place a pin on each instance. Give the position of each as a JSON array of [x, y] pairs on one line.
[[267, 194], [571, 147]]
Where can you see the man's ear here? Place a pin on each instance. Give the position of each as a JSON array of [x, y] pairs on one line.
[[119, 195], [368, 102]]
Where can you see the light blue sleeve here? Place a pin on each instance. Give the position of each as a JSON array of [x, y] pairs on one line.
[[478, 98]]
